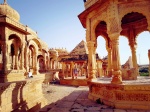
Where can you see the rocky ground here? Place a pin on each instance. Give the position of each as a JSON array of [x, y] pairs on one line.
[[73, 99]]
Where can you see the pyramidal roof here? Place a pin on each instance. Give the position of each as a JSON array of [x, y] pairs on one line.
[[80, 49]]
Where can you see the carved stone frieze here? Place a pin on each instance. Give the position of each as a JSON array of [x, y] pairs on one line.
[[133, 96], [137, 87], [106, 94], [143, 8]]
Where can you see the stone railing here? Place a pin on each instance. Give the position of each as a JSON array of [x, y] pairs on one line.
[[89, 3]]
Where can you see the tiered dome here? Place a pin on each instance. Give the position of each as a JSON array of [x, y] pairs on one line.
[[6, 10]]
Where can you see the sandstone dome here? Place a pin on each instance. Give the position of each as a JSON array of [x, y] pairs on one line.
[[6, 10]]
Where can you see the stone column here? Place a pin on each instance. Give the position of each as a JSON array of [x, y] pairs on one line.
[[109, 50], [91, 60], [27, 59], [67, 70], [117, 78], [45, 60], [99, 67], [51, 64], [35, 65], [63, 70], [133, 46], [22, 57], [16, 58], [6, 65], [149, 60], [71, 69]]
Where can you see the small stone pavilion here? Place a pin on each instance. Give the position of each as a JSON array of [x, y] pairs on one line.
[[79, 57], [110, 19]]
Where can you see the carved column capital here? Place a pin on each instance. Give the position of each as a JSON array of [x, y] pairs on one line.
[[133, 45], [114, 36], [90, 44]]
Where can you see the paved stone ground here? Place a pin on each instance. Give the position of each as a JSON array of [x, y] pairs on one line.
[[73, 99]]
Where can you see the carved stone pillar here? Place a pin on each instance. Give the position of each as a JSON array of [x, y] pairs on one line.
[[6, 65], [99, 68], [51, 64], [48, 62], [16, 59], [22, 57], [35, 65], [45, 60], [63, 70], [134, 58], [91, 60], [109, 50], [27, 59], [149, 60], [117, 78], [67, 70], [71, 69]]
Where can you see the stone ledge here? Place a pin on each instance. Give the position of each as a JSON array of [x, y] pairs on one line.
[[118, 95]]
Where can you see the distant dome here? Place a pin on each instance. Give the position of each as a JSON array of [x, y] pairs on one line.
[[6, 10]]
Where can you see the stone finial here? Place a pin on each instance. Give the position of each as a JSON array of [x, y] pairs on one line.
[[5, 1]]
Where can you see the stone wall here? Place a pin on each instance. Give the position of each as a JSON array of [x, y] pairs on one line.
[[23, 95]]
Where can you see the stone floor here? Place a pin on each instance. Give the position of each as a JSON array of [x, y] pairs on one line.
[[140, 80], [73, 99]]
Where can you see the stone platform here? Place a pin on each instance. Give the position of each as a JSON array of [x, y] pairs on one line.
[[133, 94], [80, 81]]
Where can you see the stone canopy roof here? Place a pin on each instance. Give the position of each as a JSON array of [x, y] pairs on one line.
[[80, 49], [79, 53]]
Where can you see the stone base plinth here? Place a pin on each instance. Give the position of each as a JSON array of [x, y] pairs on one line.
[[23, 96], [129, 95], [74, 82]]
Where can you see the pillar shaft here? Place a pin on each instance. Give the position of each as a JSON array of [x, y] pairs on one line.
[[63, 70], [117, 78], [22, 57], [109, 50], [91, 60], [71, 70], [134, 58], [16, 59], [5, 57]]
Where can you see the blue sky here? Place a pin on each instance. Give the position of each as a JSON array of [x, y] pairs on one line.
[[57, 24]]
